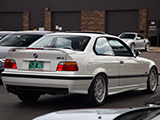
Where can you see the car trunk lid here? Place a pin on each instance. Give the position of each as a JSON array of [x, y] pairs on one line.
[[38, 59]]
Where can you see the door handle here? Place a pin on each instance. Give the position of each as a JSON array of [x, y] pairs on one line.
[[121, 62]]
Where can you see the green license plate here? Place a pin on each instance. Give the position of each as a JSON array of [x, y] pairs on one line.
[[34, 65]]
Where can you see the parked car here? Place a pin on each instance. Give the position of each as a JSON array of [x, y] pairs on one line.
[[145, 113], [152, 101], [92, 64], [17, 39], [3, 34], [135, 41]]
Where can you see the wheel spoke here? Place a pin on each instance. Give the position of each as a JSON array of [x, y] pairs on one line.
[[153, 80], [100, 89]]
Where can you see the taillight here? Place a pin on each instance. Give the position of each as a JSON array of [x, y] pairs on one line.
[[10, 63], [35, 48], [67, 66]]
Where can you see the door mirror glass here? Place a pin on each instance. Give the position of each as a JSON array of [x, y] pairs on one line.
[[137, 53]]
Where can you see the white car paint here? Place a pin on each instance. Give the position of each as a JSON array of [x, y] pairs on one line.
[[83, 114], [123, 72], [104, 114]]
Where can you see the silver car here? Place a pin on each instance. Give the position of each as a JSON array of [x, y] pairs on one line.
[[17, 39], [135, 41], [4, 33]]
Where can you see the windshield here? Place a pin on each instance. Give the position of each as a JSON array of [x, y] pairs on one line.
[[128, 36], [19, 40], [77, 43], [2, 35]]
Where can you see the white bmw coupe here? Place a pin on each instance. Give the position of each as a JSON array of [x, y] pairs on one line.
[[92, 64]]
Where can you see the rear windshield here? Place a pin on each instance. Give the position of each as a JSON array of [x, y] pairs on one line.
[[19, 40], [77, 43], [130, 36]]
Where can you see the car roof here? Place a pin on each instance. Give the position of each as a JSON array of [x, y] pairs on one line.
[[5, 32], [83, 33], [32, 32], [129, 33]]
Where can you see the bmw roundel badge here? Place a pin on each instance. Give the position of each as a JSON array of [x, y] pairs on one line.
[[35, 55]]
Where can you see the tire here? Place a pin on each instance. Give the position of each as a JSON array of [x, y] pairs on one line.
[[28, 96], [147, 47], [98, 91], [152, 81], [132, 46]]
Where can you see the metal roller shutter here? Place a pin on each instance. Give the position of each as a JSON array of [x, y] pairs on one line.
[[121, 21], [67, 20], [11, 21]]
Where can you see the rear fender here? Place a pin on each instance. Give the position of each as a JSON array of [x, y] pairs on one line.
[[99, 70], [157, 72]]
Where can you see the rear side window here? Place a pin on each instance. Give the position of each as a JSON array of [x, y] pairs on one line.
[[19, 40], [77, 43], [102, 47]]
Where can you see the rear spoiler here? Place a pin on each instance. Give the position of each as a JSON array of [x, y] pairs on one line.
[[66, 51]]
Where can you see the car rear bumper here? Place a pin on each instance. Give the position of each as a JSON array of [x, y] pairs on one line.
[[74, 84]]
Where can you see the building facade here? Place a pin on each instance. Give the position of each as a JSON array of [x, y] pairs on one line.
[[110, 16]]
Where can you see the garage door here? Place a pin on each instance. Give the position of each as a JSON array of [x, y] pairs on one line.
[[68, 21], [122, 21], [11, 21]]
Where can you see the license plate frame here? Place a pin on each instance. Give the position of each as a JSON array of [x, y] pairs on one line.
[[36, 65]]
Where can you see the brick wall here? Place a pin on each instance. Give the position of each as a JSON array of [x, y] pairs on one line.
[[25, 20], [47, 22], [93, 20], [143, 21]]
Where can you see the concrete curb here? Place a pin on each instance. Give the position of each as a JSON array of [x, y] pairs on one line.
[[154, 49]]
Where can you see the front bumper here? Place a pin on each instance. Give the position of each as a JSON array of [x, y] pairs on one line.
[[73, 83]]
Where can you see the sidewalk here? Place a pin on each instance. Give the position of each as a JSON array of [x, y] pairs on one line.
[[154, 49]]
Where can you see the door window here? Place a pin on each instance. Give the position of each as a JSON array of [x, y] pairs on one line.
[[119, 48], [140, 36]]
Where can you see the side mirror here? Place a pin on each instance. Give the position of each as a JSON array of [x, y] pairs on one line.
[[137, 53]]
